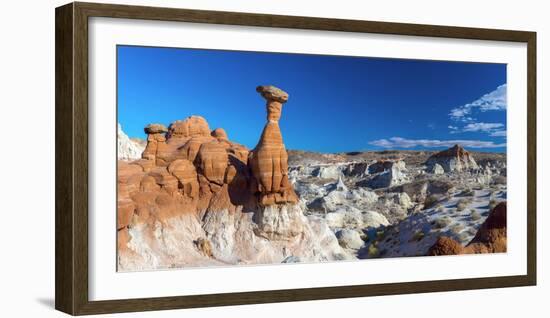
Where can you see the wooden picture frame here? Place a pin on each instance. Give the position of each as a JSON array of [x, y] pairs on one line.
[[71, 90]]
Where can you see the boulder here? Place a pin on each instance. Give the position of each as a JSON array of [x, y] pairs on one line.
[[373, 219], [436, 169], [349, 239], [445, 246]]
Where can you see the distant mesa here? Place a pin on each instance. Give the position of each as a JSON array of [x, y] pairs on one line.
[[455, 158]]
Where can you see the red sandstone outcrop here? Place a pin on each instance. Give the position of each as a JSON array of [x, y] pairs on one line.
[[446, 246], [187, 170], [186, 174], [193, 126], [219, 133], [269, 160], [212, 160], [490, 238]]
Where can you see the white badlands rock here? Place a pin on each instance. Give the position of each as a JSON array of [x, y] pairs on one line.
[[352, 218], [402, 199], [234, 238], [127, 148], [279, 222], [395, 175], [373, 219], [348, 217], [327, 172], [437, 169], [349, 239], [340, 196]]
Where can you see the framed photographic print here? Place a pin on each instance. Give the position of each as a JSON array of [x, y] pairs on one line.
[[218, 158]]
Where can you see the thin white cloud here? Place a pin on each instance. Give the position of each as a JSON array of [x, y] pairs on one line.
[[398, 142], [498, 133], [485, 127], [495, 100], [493, 129]]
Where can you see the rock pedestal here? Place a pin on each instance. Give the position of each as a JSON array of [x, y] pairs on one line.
[[269, 160]]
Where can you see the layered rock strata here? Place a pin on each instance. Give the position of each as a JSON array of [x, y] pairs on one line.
[[269, 160], [196, 198]]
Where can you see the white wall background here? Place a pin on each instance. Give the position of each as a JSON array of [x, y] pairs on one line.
[[27, 157]]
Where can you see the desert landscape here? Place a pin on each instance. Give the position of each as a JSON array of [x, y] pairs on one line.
[[189, 196]]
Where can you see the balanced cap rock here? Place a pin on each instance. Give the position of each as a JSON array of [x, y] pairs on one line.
[[155, 135], [269, 160]]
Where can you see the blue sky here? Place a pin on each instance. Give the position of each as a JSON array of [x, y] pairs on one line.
[[336, 103]]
